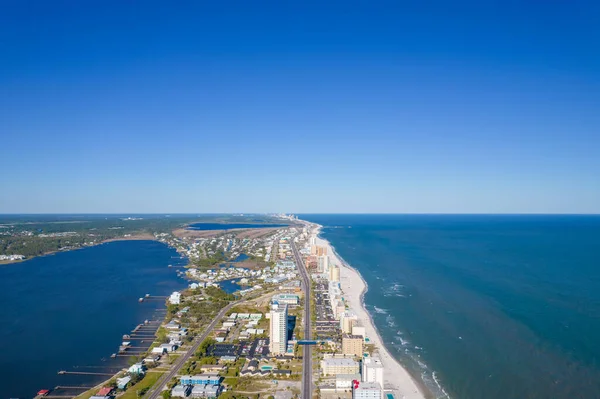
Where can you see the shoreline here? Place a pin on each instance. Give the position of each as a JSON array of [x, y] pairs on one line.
[[137, 237], [396, 376]]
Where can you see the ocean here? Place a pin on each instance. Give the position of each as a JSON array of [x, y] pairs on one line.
[[68, 311], [482, 306]]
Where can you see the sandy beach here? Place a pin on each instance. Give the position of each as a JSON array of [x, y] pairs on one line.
[[396, 377]]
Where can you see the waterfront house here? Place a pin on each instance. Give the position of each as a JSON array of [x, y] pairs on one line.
[[106, 391], [164, 348], [137, 368], [172, 325], [175, 298], [123, 382]]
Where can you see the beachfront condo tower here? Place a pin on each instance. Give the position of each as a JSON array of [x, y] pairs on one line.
[[278, 334]]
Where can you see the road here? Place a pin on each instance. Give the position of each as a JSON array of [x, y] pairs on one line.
[[157, 389], [307, 355]]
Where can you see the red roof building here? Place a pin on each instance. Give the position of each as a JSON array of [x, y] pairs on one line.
[[104, 391]]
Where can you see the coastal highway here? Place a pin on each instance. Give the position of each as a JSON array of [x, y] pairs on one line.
[[157, 389], [307, 354]]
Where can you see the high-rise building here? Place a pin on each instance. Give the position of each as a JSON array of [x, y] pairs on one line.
[[352, 345], [278, 332], [334, 273], [347, 321], [323, 264], [366, 390], [372, 370], [358, 329]]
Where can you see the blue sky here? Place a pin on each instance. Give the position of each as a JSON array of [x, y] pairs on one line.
[[300, 107]]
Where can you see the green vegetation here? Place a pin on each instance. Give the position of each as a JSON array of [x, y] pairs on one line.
[[141, 387], [210, 262]]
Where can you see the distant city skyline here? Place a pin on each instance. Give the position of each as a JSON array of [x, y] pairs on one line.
[[319, 108]]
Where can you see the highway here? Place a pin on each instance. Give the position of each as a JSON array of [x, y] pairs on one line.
[[157, 389], [307, 354]]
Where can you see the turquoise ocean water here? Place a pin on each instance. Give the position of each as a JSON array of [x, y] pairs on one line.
[[482, 306]]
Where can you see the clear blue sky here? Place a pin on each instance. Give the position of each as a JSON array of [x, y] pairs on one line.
[[111, 106]]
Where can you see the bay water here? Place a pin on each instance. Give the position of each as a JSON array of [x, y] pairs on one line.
[[69, 311]]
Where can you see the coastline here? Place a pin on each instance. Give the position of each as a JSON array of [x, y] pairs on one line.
[[137, 237], [396, 376]]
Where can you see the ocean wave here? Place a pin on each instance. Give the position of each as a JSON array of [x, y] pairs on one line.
[[379, 310], [395, 290], [390, 321]]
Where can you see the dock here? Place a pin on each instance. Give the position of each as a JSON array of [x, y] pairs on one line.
[[64, 372]]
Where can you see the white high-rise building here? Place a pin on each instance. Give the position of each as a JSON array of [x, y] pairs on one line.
[[372, 370], [278, 336]]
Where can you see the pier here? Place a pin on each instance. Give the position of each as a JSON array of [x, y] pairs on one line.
[[64, 372]]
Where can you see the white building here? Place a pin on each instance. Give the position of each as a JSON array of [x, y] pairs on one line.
[[287, 299], [175, 298], [372, 370], [278, 332], [367, 390]]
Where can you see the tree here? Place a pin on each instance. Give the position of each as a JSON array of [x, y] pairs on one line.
[[166, 394]]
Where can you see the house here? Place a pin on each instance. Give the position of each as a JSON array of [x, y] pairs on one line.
[[172, 325], [175, 298], [137, 368], [123, 382], [152, 359], [164, 348], [181, 391], [106, 391]]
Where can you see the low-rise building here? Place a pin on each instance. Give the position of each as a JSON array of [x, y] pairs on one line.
[[200, 379], [286, 299], [181, 391], [333, 366], [343, 382], [367, 390], [205, 391]]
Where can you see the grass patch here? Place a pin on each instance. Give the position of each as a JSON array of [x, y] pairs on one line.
[[149, 380]]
